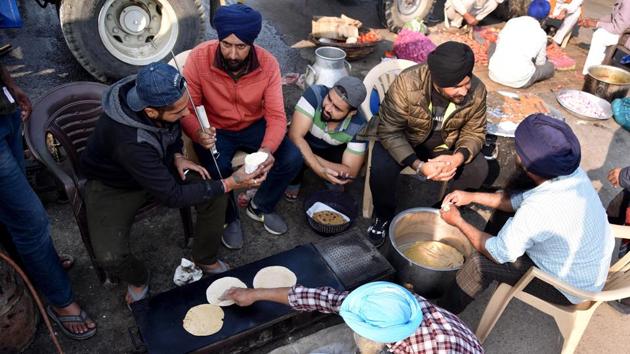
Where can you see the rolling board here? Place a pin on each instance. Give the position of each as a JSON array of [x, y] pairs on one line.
[[159, 319]]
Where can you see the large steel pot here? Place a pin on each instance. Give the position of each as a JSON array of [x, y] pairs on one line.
[[424, 224], [607, 82]]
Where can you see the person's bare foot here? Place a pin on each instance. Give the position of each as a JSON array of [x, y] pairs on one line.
[[74, 310]]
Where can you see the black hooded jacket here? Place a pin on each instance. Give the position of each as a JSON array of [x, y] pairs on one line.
[[127, 151]]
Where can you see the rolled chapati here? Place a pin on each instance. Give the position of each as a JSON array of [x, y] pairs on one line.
[[434, 254], [204, 320], [219, 287], [274, 277]]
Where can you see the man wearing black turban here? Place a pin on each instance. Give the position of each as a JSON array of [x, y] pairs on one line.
[[558, 224], [240, 86], [433, 120]]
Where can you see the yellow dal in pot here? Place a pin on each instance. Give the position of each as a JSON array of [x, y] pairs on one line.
[[434, 254]]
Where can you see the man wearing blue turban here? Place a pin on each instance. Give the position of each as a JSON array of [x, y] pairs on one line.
[[382, 315], [240, 86], [558, 223]]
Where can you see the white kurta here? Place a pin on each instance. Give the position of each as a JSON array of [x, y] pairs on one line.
[[454, 10], [521, 45], [574, 10]]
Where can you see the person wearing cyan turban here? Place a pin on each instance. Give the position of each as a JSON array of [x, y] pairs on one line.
[[383, 317], [432, 119], [240, 86], [557, 222]]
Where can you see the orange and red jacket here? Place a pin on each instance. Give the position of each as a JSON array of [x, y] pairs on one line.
[[234, 105]]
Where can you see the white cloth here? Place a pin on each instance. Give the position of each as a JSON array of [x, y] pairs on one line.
[[562, 226], [597, 52], [567, 24], [519, 42], [454, 10]]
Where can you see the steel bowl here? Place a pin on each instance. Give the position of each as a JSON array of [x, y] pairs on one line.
[[424, 224], [606, 81]]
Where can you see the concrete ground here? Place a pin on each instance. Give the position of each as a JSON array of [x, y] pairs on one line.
[[41, 61]]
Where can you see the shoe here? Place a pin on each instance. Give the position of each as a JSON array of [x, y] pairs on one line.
[[622, 306], [233, 235], [489, 151], [223, 267], [272, 221], [378, 231]]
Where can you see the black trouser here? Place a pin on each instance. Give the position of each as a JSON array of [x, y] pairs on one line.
[[385, 171], [332, 154], [616, 210], [111, 213], [479, 272]]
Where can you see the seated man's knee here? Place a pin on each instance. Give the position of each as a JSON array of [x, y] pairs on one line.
[[289, 156]]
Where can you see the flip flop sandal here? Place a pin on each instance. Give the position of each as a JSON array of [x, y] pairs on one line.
[[66, 260], [137, 297], [81, 318], [223, 267], [291, 193]]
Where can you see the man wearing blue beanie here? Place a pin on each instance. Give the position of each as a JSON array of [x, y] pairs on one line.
[[558, 223], [240, 87], [383, 316]]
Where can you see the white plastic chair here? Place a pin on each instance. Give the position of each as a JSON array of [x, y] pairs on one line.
[[379, 78], [571, 320], [239, 158]]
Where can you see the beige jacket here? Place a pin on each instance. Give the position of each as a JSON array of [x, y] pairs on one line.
[[404, 120]]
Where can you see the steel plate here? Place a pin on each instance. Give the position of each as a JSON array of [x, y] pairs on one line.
[[599, 104]]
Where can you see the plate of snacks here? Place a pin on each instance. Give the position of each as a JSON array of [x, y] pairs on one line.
[[506, 110], [330, 212]]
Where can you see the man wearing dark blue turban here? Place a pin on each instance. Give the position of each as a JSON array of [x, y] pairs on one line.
[[558, 225], [240, 86]]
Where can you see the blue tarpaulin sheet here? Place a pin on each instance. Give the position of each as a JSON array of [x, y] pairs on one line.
[[9, 14]]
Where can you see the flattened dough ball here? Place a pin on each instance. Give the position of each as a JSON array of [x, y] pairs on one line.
[[220, 286], [274, 277], [204, 320]]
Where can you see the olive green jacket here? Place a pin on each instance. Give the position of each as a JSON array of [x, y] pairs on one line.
[[405, 121]]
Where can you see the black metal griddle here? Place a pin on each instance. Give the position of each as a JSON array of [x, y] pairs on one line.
[[343, 262]]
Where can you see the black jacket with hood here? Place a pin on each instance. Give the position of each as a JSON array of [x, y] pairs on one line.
[[128, 151]]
